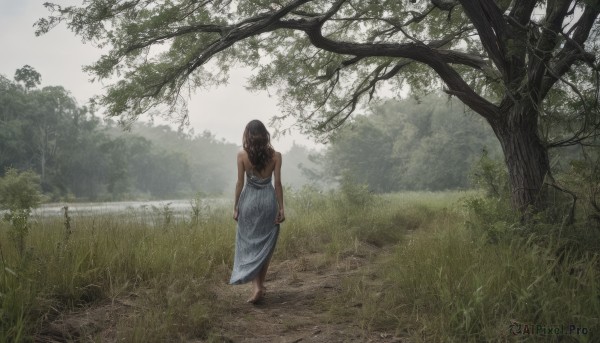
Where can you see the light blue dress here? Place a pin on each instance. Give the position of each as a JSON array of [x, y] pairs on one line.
[[256, 229]]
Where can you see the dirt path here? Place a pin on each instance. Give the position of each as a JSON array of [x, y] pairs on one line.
[[297, 308]]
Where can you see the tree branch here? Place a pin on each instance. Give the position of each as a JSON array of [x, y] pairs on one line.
[[545, 45], [489, 23], [522, 10], [178, 32], [439, 60], [332, 11], [370, 87], [242, 31], [573, 49]]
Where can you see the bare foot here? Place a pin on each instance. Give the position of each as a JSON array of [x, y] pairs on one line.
[[257, 296]]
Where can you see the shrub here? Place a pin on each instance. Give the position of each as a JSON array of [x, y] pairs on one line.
[[19, 193], [356, 194], [491, 176]]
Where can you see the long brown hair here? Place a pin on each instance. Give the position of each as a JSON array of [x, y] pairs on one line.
[[257, 143]]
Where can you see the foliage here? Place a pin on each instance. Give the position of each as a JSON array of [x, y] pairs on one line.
[[363, 155], [304, 41], [202, 160], [44, 130], [19, 193], [410, 145], [29, 76], [583, 178], [572, 212], [163, 216], [491, 176], [338, 222], [355, 193], [492, 218], [449, 284], [75, 154], [79, 156], [19, 190], [527, 67]]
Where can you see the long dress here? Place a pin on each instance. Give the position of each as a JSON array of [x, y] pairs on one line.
[[256, 229]]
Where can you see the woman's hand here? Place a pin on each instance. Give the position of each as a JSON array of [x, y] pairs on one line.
[[235, 214], [280, 217]]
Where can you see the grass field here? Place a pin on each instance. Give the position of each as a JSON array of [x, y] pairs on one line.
[[431, 275]]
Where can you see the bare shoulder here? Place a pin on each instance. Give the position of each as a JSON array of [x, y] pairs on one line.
[[242, 154], [277, 158]]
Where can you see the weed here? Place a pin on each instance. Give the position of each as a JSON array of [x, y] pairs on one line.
[[163, 215]]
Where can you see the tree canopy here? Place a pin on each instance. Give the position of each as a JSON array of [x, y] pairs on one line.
[[527, 66]]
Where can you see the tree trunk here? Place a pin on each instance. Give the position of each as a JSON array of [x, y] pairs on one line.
[[526, 158]]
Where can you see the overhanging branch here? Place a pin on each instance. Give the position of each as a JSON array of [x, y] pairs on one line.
[[438, 60]]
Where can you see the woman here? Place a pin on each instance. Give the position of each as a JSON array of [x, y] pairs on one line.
[[258, 208]]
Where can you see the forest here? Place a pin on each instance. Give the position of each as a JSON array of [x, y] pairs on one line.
[[430, 144], [79, 156]]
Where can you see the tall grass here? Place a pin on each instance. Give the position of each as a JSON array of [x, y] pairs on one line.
[[110, 256], [164, 262], [334, 221], [450, 283], [436, 279]]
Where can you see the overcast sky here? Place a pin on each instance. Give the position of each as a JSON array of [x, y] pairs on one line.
[[59, 56]]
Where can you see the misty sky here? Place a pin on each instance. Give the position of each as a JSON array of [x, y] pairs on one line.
[[59, 56]]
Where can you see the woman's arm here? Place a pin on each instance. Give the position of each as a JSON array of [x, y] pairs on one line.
[[279, 188], [239, 184]]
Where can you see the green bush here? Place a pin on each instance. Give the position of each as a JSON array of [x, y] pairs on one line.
[[355, 193], [491, 176], [582, 178], [19, 193], [19, 190], [493, 217]]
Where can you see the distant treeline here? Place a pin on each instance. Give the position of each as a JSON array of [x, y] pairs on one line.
[[429, 144], [77, 155], [415, 144]]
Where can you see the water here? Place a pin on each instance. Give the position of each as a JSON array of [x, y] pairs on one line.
[[121, 207]]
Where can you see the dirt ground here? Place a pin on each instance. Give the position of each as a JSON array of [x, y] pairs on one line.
[[295, 309]]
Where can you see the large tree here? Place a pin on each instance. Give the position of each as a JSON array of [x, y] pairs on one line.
[[526, 66]]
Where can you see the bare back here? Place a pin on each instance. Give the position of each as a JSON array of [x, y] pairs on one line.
[[263, 174]]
